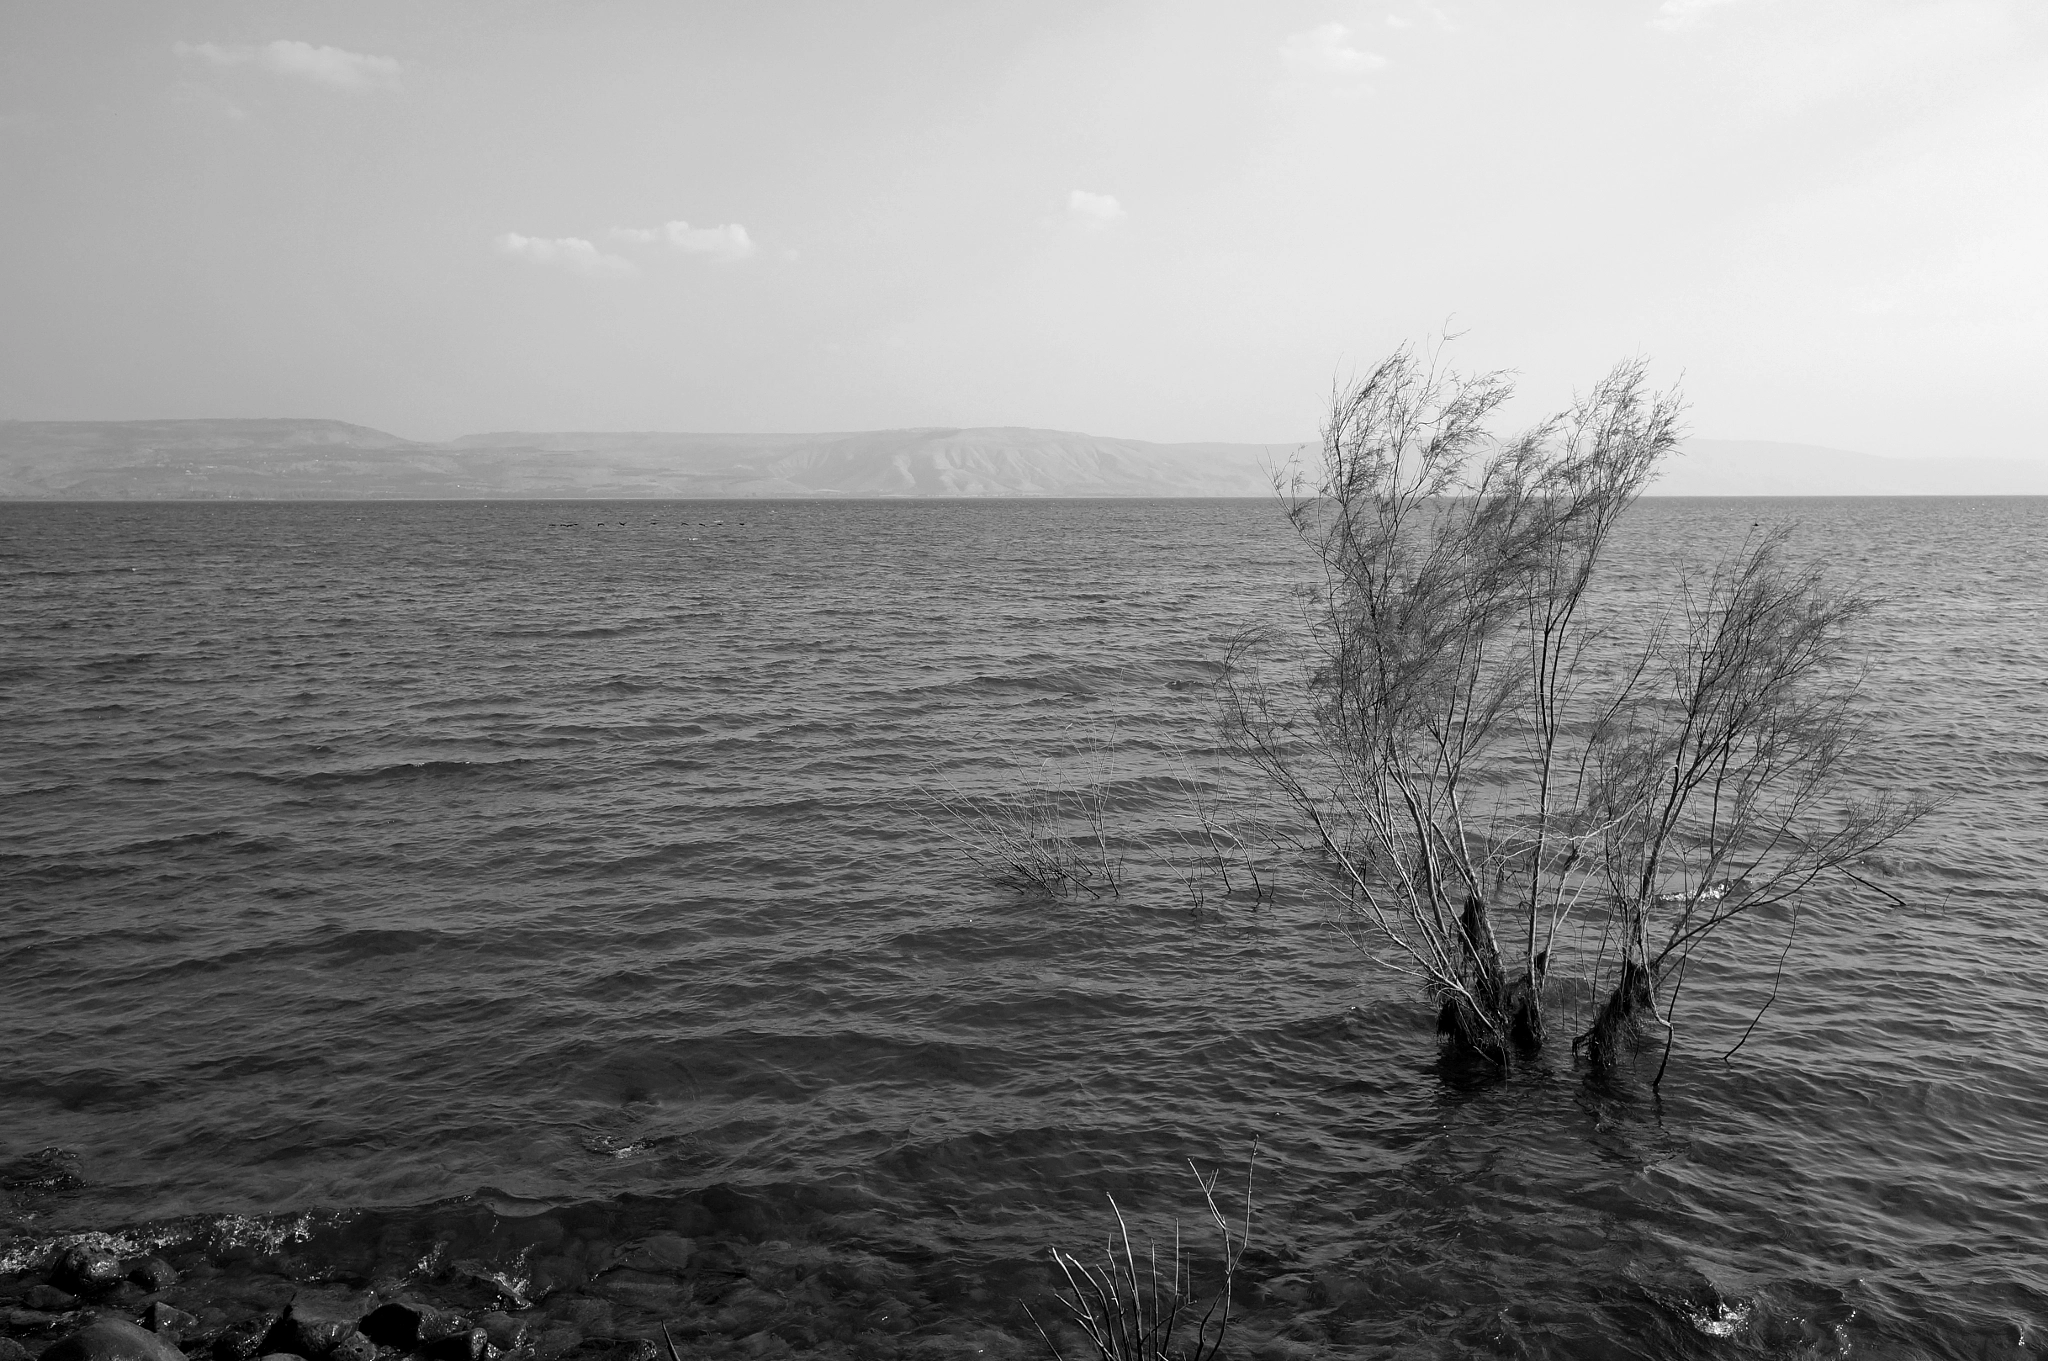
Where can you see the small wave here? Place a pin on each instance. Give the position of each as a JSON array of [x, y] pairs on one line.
[[377, 943], [1721, 1319], [94, 1089], [236, 842], [37, 1254], [49, 1169], [266, 1234], [402, 770]]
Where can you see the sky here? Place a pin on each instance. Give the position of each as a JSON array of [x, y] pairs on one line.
[[1825, 219]]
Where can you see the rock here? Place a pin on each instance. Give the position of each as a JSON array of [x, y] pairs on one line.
[[354, 1347], [49, 1299], [505, 1332], [392, 1325], [10, 1350], [168, 1321], [464, 1346], [153, 1274], [317, 1328], [557, 1339], [480, 1276], [112, 1339], [593, 1318], [551, 1274], [436, 1324], [241, 1341], [86, 1270]]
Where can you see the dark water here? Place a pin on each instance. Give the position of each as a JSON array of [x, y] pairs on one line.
[[392, 885]]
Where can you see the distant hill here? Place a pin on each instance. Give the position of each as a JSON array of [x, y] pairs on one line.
[[305, 459], [312, 459]]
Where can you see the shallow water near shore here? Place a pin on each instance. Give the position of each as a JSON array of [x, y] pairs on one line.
[[420, 894]]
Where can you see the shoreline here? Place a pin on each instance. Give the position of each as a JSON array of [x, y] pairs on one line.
[[727, 1271]]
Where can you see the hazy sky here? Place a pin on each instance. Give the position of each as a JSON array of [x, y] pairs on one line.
[[1160, 220]]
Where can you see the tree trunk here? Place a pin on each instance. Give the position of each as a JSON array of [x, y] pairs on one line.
[[1494, 1018]]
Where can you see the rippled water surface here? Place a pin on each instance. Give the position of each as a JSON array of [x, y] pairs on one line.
[[527, 882]]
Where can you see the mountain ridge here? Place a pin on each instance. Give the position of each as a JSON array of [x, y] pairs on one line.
[[286, 458]]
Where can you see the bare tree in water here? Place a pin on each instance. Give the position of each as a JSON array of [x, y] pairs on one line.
[[1486, 758]]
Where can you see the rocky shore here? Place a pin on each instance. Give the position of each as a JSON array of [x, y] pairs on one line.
[[365, 1291]]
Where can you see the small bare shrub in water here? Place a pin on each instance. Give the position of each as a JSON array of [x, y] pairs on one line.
[[1128, 1308], [1488, 754], [1041, 836], [1063, 833]]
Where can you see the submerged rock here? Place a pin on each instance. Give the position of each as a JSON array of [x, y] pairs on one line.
[[439, 1324], [662, 1252], [10, 1350], [241, 1341], [472, 1345], [49, 1299], [505, 1332], [556, 1339], [86, 1270], [168, 1321], [112, 1339], [476, 1275], [153, 1274]]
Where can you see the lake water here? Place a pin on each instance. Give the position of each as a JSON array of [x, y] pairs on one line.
[[389, 886]]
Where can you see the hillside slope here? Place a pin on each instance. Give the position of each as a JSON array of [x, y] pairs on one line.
[[315, 459], [285, 459]]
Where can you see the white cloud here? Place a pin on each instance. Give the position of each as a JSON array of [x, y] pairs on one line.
[[1327, 49], [570, 252], [1097, 210], [330, 66], [728, 243]]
